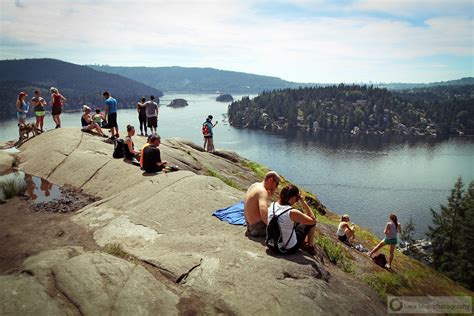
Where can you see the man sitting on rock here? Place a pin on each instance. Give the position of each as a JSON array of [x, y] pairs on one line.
[[256, 204], [151, 155]]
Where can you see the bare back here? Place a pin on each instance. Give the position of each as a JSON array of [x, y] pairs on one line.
[[256, 204]]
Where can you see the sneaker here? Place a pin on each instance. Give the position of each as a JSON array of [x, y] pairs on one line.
[[57, 126], [141, 134]]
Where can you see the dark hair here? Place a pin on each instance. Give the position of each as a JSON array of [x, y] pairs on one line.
[[210, 117], [130, 127], [152, 97], [106, 94], [394, 219], [97, 110], [37, 91], [154, 137], [143, 100], [287, 193]]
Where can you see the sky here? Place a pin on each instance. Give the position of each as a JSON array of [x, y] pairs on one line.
[[318, 41]]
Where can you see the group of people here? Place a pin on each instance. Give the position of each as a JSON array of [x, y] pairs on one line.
[[148, 115], [298, 227], [39, 103]]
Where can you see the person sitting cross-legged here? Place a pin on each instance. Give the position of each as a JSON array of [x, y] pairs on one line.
[[346, 232], [152, 157]]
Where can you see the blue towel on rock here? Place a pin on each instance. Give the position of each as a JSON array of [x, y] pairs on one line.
[[233, 214]]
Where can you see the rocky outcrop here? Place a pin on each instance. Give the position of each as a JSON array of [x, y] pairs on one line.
[[176, 257], [178, 103], [225, 98]]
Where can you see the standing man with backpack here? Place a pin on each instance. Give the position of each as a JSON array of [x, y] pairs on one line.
[[256, 204], [152, 114], [208, 133], [111, 114]]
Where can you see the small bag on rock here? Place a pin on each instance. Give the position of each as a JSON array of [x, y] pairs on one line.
[[380, 260]]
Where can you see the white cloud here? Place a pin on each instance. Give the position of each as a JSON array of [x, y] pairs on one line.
[[230, 35]]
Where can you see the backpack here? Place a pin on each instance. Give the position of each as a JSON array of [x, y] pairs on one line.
[[380, 260], [205, 129], [119, 148], [274, 236]]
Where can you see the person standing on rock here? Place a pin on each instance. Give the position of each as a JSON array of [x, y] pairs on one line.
[[39, 103], [297, 228], [152, 157], [57, 101], [256, 204], [141, 109], [152, 114], [208, 133], [392, 228], [111, 114], [21, 107]]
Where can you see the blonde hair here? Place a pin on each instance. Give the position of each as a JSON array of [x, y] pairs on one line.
[[344, 216]]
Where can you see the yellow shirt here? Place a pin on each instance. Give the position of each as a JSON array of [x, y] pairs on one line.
[[141, 155]]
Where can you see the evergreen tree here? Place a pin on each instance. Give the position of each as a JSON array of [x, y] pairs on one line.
[[451, 235]]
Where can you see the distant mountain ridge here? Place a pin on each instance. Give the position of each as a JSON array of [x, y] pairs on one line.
[[210, 80], [79, 84], [198, 80]]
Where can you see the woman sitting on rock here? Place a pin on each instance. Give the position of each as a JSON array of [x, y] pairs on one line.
[[391, 230], [88, 125], [130, 152], [345, 233], [297, 227]]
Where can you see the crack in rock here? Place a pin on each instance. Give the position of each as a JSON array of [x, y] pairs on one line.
[[182, 278]]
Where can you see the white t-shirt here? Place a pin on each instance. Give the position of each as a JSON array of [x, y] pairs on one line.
[[151, 108], [286, 224]]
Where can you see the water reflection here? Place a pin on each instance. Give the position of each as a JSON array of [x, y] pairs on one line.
[[41, 190]]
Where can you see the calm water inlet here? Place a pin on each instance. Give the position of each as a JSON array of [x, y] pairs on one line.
[[366, 176]]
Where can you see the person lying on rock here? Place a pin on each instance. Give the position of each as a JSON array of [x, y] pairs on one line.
[[151, 155], [256, 204], [297, 227], [346, 233]]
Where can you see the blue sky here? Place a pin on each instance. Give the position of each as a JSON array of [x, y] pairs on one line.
[[304, 41]]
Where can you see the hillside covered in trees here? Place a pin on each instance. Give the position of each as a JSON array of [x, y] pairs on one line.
[[199, 80], [360, 109], [79, 84]]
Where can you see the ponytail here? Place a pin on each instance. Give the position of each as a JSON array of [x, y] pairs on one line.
[[394, 219]]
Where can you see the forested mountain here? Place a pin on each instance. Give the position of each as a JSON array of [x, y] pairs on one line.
[[79, 84], [355, 109], [202, 80]]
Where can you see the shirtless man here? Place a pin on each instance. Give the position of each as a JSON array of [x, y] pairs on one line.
[[256, 204]]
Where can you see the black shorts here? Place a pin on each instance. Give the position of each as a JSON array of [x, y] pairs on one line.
[[342, 238], [56, 110], [301, 232], [142, 117], [152, 121], [208, 136], [112, 120]]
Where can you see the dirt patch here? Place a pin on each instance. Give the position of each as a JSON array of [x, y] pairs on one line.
[[24, 232]]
